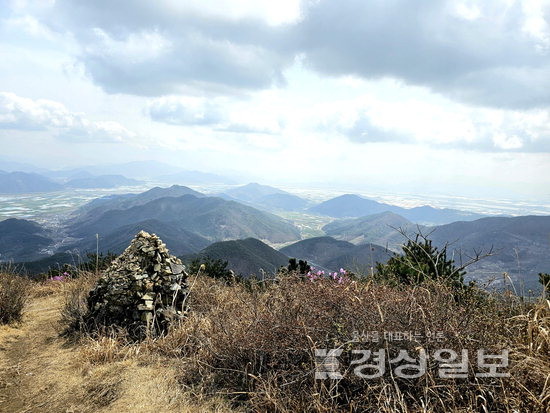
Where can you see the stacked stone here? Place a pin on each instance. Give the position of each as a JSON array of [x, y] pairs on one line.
[[143, 291]]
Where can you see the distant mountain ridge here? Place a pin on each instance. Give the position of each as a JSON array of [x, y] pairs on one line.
[[350, 205], [148, 170], [266, 197], [195, 178], [26, 183], [102, 181], [521, 246]]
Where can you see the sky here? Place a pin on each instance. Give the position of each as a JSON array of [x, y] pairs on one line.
[[434, 95]]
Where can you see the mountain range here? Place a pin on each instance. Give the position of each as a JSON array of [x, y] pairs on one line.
[[28, 179], [210, 217], [266, 197], [96, 207], [101, 181], [191, 223], [347, 206], [520, 245], [179, 240], [26, 183]]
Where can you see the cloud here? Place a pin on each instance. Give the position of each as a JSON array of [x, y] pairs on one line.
[[481, 53], [154, 49], [493, 53], [439, 125], [185, 111], [220, 114], [18, 113]]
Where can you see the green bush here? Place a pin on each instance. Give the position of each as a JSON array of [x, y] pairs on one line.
[[420, 262]]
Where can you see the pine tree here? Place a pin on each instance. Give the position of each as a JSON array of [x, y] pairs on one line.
[[421, 261]]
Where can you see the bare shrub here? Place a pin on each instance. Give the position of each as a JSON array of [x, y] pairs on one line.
[[14, 294], [257, 346], [75, 307]]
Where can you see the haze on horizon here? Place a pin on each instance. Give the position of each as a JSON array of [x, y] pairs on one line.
[[438, 96]]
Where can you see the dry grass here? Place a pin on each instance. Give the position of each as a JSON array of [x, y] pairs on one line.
[[255, 346], [75, 303], [14, 294], [40, 371]]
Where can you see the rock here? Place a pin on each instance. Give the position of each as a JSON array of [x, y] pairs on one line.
[[143, 291]]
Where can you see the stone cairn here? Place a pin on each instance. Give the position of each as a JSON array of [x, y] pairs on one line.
[[143, 291]]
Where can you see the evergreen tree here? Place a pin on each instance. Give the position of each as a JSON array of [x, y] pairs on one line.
[[421, 261]]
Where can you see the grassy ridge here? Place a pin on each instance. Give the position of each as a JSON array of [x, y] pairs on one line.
[[255, 346]]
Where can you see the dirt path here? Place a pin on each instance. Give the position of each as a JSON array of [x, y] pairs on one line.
[[40, 372], [25, 354]]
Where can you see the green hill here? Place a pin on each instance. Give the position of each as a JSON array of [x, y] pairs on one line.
[[246, 256], [332, 254], [209, 217]]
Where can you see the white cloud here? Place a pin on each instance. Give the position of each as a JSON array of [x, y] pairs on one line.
[[220, 114], [185, 110], [19, 113], [336, 91]]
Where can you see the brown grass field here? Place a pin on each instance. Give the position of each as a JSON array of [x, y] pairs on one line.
[[251, 348]]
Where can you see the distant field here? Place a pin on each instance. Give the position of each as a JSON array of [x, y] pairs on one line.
[[48, 207], [309, 225]]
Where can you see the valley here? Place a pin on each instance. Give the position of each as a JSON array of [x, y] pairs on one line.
[[191, 218]]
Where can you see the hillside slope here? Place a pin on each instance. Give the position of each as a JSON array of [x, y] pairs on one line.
[[211, 218], [246, 256], [521, 246], [101, 205], [181, 241], [378, 229], [332, 254], [22, 240]]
